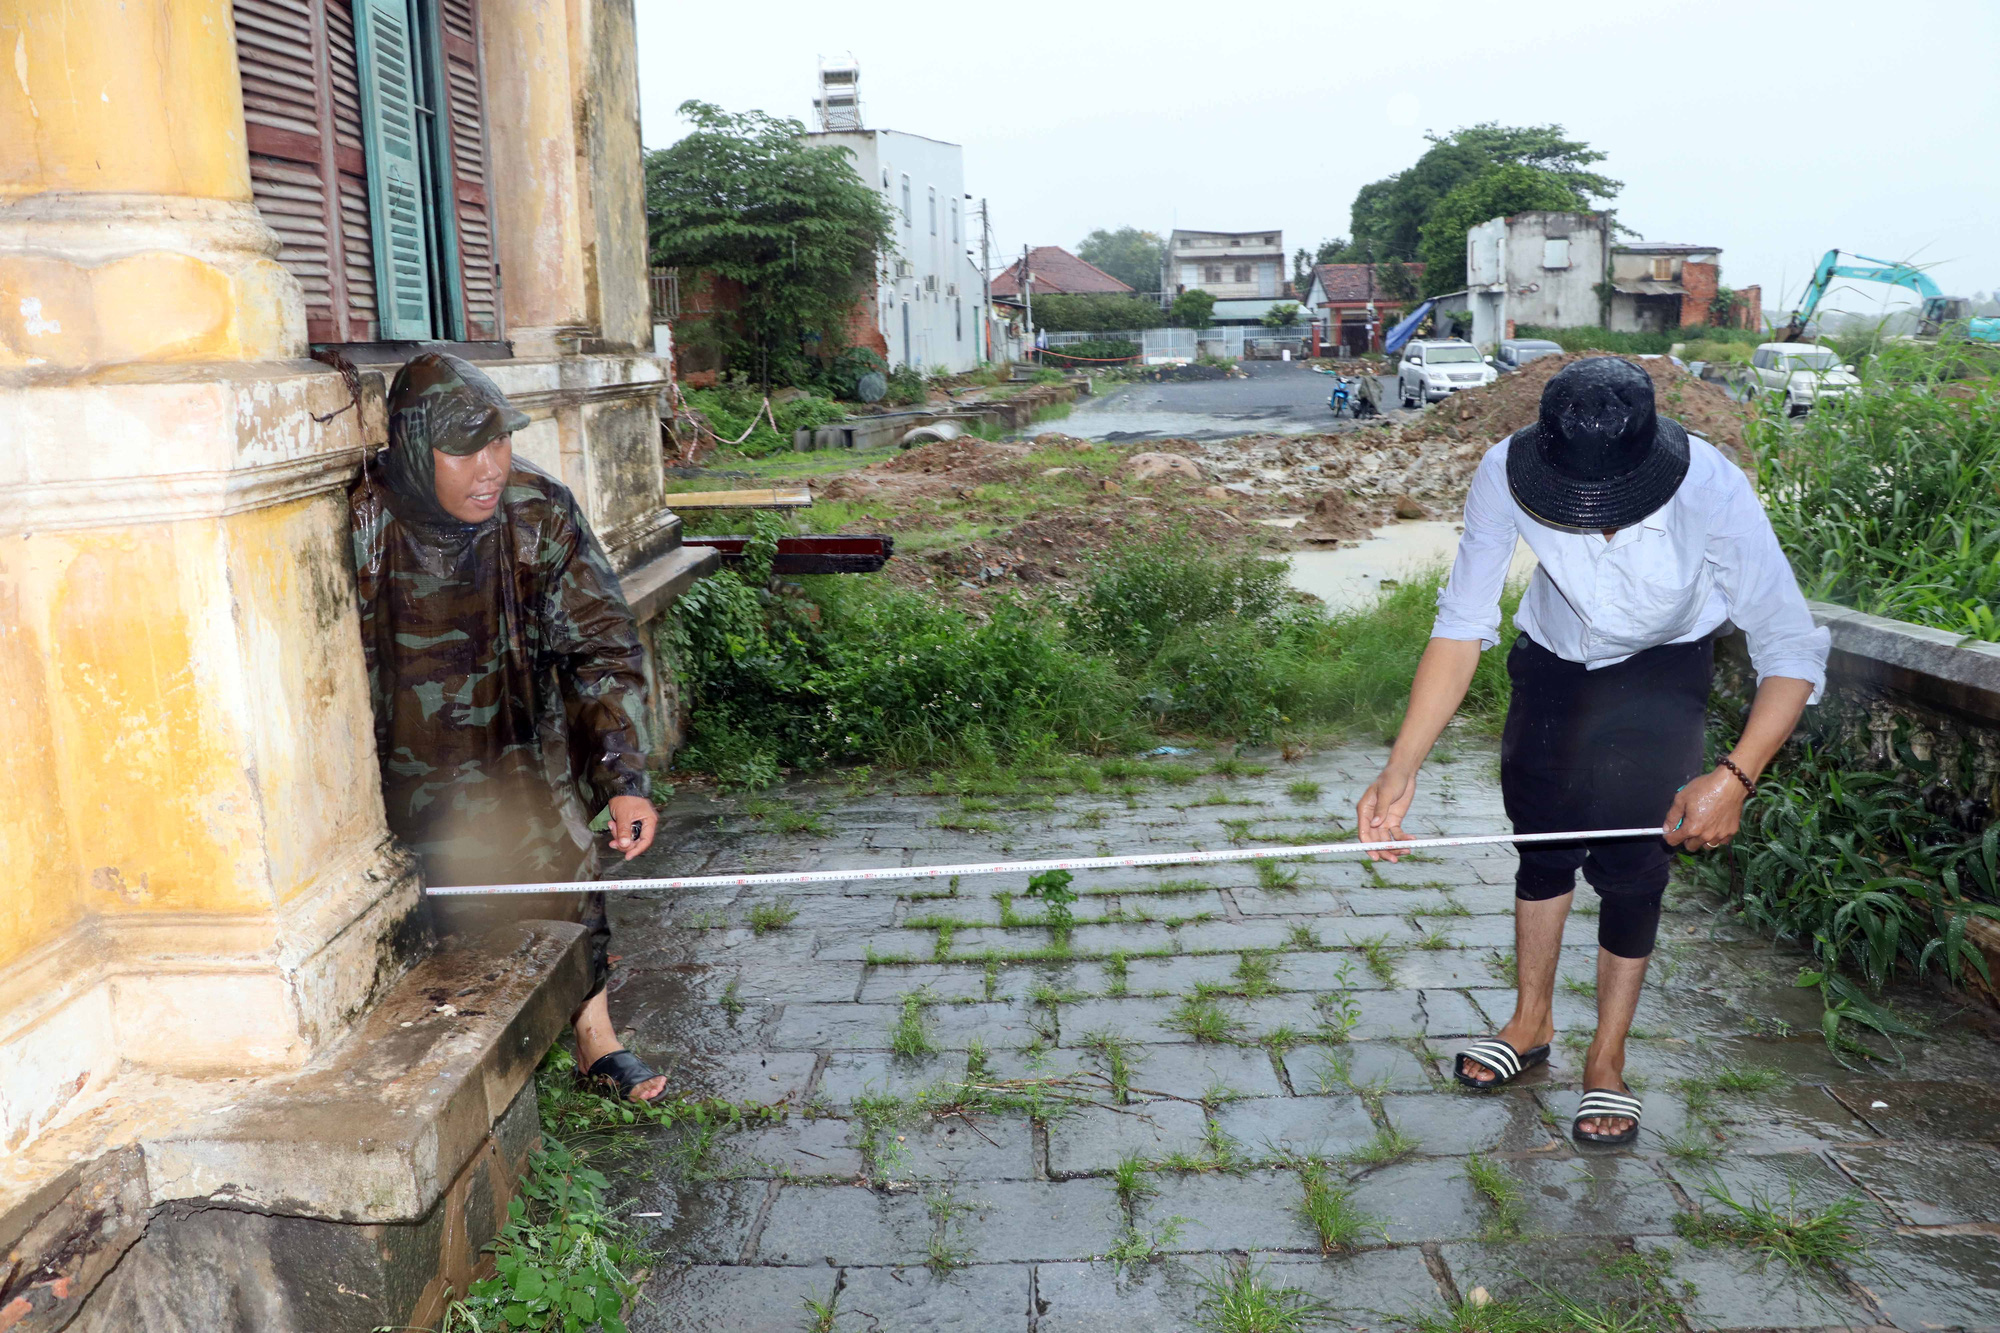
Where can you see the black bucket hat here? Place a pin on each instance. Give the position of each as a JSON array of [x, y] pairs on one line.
[[1600, 456]]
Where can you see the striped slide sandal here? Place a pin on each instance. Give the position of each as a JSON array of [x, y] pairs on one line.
[[1600, 1104], [1506, 1062]]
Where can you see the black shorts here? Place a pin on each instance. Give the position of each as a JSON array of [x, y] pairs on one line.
[[1600, 749]]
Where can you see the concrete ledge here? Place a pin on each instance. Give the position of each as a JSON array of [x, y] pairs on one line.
[[379, 1126], [651, 588], [1930, 666]]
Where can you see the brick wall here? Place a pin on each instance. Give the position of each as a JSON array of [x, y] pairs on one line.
[[864, 325], [1700, 281], [1749, 308]]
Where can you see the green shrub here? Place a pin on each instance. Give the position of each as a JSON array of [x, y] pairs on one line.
[[1096, 314], [731, 408], [907, 386], [1096, 350], [1886, 503]]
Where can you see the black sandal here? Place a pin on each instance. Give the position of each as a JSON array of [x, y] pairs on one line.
[[1506, 1063], [623, 1070], [1605, 1104]]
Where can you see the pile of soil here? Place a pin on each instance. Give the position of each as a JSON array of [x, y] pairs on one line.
[[1055, 550], [1485, 414]]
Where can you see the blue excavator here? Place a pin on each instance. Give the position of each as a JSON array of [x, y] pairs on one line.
[[1938, 313]]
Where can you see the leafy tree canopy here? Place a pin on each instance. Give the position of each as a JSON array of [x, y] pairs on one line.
[[1128, 254], [1496, 191], [749, 198], [1193, 308], [1281, 316], [1389, 214]]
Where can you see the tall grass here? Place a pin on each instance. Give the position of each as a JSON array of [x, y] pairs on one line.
[[1886, 503], [1638, 344]]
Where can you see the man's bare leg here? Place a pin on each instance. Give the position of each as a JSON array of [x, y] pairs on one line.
[[1619, 981], [596, 1038], [1538, 932]]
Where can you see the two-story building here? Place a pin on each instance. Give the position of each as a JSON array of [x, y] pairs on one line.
[[928, 301], [1243, 270]]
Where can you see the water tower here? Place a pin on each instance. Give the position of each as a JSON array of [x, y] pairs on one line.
[[838, 105]]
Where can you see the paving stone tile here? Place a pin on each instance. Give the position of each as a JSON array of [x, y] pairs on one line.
[[1788, 1118], [1256, 933], [1092, 1298], [1398, 901], [815, 910], [845, 1224], [1780, 1180], [758, 982], [1361, 1064], [1451, 1013], [1459, 1122], [799, 1147], [1097, 1138], [1020, 1221], [1254, 902], [967, 981], [1388, 1014], [1601, 1195], [1178, 976], [981, 1298], [1927, 1282], [1278, 1128], [700, 1298], [1367, 1292], [813, 1027], [748, 1076], [1141, 1020], [1925, 1187], [954, 1148], [1258, 1210], [1926, 1111], [1527, 1270], [697, 1222], [1732, 1290], [1341, 932], [852, 1074], [1421, 1201], [1332, 970], [1192, 1070]]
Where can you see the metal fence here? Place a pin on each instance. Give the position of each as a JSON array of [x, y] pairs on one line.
[[1169, 344]]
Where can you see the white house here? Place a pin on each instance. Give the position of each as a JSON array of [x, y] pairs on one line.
[[1535, 268], [930, 298]]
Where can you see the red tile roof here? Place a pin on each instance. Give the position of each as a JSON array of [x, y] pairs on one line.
[[1055, 269], [1350, 282]]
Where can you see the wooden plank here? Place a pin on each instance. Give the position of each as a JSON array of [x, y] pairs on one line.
[[783, 497], [819, 553]]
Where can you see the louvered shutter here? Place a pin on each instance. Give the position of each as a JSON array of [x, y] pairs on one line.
[[279, 58], [465, 119], [395, 171]]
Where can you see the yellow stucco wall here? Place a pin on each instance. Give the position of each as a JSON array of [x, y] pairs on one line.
[[188, 712], [121, 96]]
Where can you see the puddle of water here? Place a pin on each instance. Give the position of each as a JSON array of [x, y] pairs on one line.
[[1179, 425], [1349, 578]]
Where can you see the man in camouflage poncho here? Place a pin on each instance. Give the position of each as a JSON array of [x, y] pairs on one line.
[[505, 671]]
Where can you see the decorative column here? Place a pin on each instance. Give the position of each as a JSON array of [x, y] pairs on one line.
[[194, 870]]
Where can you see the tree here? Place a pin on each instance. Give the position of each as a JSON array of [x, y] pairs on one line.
[[1192, 308], [1396, 280], [1389, 214], [1492, 193], [748, 198], [1281, 316], [1127, 254]]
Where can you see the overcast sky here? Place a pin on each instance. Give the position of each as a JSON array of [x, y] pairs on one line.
[[1776, 130]]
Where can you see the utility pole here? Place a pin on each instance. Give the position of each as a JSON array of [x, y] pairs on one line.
[[1028, 296], [986, 277]]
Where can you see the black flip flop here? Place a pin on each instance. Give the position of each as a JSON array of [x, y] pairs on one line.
[[623, 1070], [1506, 1063], [1604, 1104]]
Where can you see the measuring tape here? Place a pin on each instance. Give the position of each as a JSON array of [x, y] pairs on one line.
[[1188, 858]]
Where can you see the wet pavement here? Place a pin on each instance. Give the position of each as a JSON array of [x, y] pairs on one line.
[[1278, 398], [984, 1132]]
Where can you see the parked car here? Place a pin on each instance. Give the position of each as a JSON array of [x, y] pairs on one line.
[[1518, 352], [1800, 373], [1439, 367]]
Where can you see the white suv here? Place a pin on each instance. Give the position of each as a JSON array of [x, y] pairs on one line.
[[1801, 373], [1439, 368]]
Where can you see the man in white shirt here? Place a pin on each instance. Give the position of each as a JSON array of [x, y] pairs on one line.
[[1650, 542]]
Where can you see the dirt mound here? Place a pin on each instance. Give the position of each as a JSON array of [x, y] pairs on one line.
[[1485, 414], [950, 456]]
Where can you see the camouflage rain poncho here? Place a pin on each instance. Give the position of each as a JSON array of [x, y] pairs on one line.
[[503, 663]]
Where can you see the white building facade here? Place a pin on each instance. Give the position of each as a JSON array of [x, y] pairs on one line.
[[930, 304], [1541, 268]]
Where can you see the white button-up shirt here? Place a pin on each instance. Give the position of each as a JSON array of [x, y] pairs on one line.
[[1706, 557]]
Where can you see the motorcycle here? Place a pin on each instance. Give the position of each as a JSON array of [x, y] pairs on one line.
[[1343, 394]]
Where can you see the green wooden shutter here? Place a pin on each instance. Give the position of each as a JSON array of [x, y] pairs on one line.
[[395, 169]]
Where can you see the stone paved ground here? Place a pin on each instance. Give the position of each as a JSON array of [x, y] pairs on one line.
[[974, 1182]]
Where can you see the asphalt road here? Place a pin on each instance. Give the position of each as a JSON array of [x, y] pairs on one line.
[[1279, 397]]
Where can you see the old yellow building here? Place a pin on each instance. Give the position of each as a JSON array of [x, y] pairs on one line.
[[201, 913]]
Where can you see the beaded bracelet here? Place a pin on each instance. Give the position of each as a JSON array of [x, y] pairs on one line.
[[1741, 776]]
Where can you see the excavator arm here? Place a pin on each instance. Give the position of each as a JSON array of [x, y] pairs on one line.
[[1883, 270]]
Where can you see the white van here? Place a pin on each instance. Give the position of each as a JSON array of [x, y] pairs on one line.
[[1801, 373], [1440, 367]]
